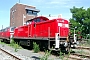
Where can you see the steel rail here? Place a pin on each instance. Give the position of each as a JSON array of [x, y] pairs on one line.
[[16, 58], [82, 55], [80, 47]]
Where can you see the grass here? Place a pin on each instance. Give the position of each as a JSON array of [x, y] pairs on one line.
[[61, 55], [15, 45], [46, 55], [12, 44], [2, 42], [66, 56], [86, 44], [82, 52]]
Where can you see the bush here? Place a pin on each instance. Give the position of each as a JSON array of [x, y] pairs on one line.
[[36, 47], [12, 42], [14, 45]]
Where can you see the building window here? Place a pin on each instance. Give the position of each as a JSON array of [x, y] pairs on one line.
[[30, 12], [34, 13], [13, 23], [13, 14]]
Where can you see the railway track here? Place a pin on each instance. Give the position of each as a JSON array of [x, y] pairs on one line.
[[79, 56], [80, 47], [11, 56]]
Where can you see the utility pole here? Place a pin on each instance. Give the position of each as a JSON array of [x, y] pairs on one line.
[[19, 1], [2, 26]]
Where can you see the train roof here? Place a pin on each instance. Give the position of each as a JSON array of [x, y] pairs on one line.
[[52, 18]]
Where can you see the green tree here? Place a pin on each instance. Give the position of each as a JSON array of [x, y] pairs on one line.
[[81, 20]]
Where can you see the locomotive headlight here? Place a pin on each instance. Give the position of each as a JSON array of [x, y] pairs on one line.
[[65, 44]]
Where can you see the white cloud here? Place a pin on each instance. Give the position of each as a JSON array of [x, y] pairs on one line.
[[57, 2], [65, 16], [54, 2], [63, 3]]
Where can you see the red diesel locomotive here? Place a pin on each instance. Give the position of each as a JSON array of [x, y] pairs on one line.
[[50, 34]]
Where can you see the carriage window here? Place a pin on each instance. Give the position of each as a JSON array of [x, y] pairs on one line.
[[3, 30], [6, 29], [12, 29], [0, 30]]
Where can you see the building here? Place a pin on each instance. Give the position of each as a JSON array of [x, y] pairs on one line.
[[20, 13]]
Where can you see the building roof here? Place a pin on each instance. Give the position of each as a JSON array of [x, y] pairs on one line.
[[25, 4]]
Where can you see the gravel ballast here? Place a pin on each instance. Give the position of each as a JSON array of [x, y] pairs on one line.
[[26, 54]]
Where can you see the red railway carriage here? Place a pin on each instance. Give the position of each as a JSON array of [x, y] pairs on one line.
[[47, 33], [1, 31], [6, 34]]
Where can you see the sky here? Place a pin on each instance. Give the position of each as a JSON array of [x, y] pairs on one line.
[[46, 7]]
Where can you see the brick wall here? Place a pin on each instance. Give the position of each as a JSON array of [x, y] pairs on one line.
[[18, 14]]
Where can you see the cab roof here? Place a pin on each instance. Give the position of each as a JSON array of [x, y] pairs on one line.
[[41, 17]]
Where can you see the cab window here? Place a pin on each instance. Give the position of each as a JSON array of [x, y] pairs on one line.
[[37, 20], [42, 20], [28, 22]]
